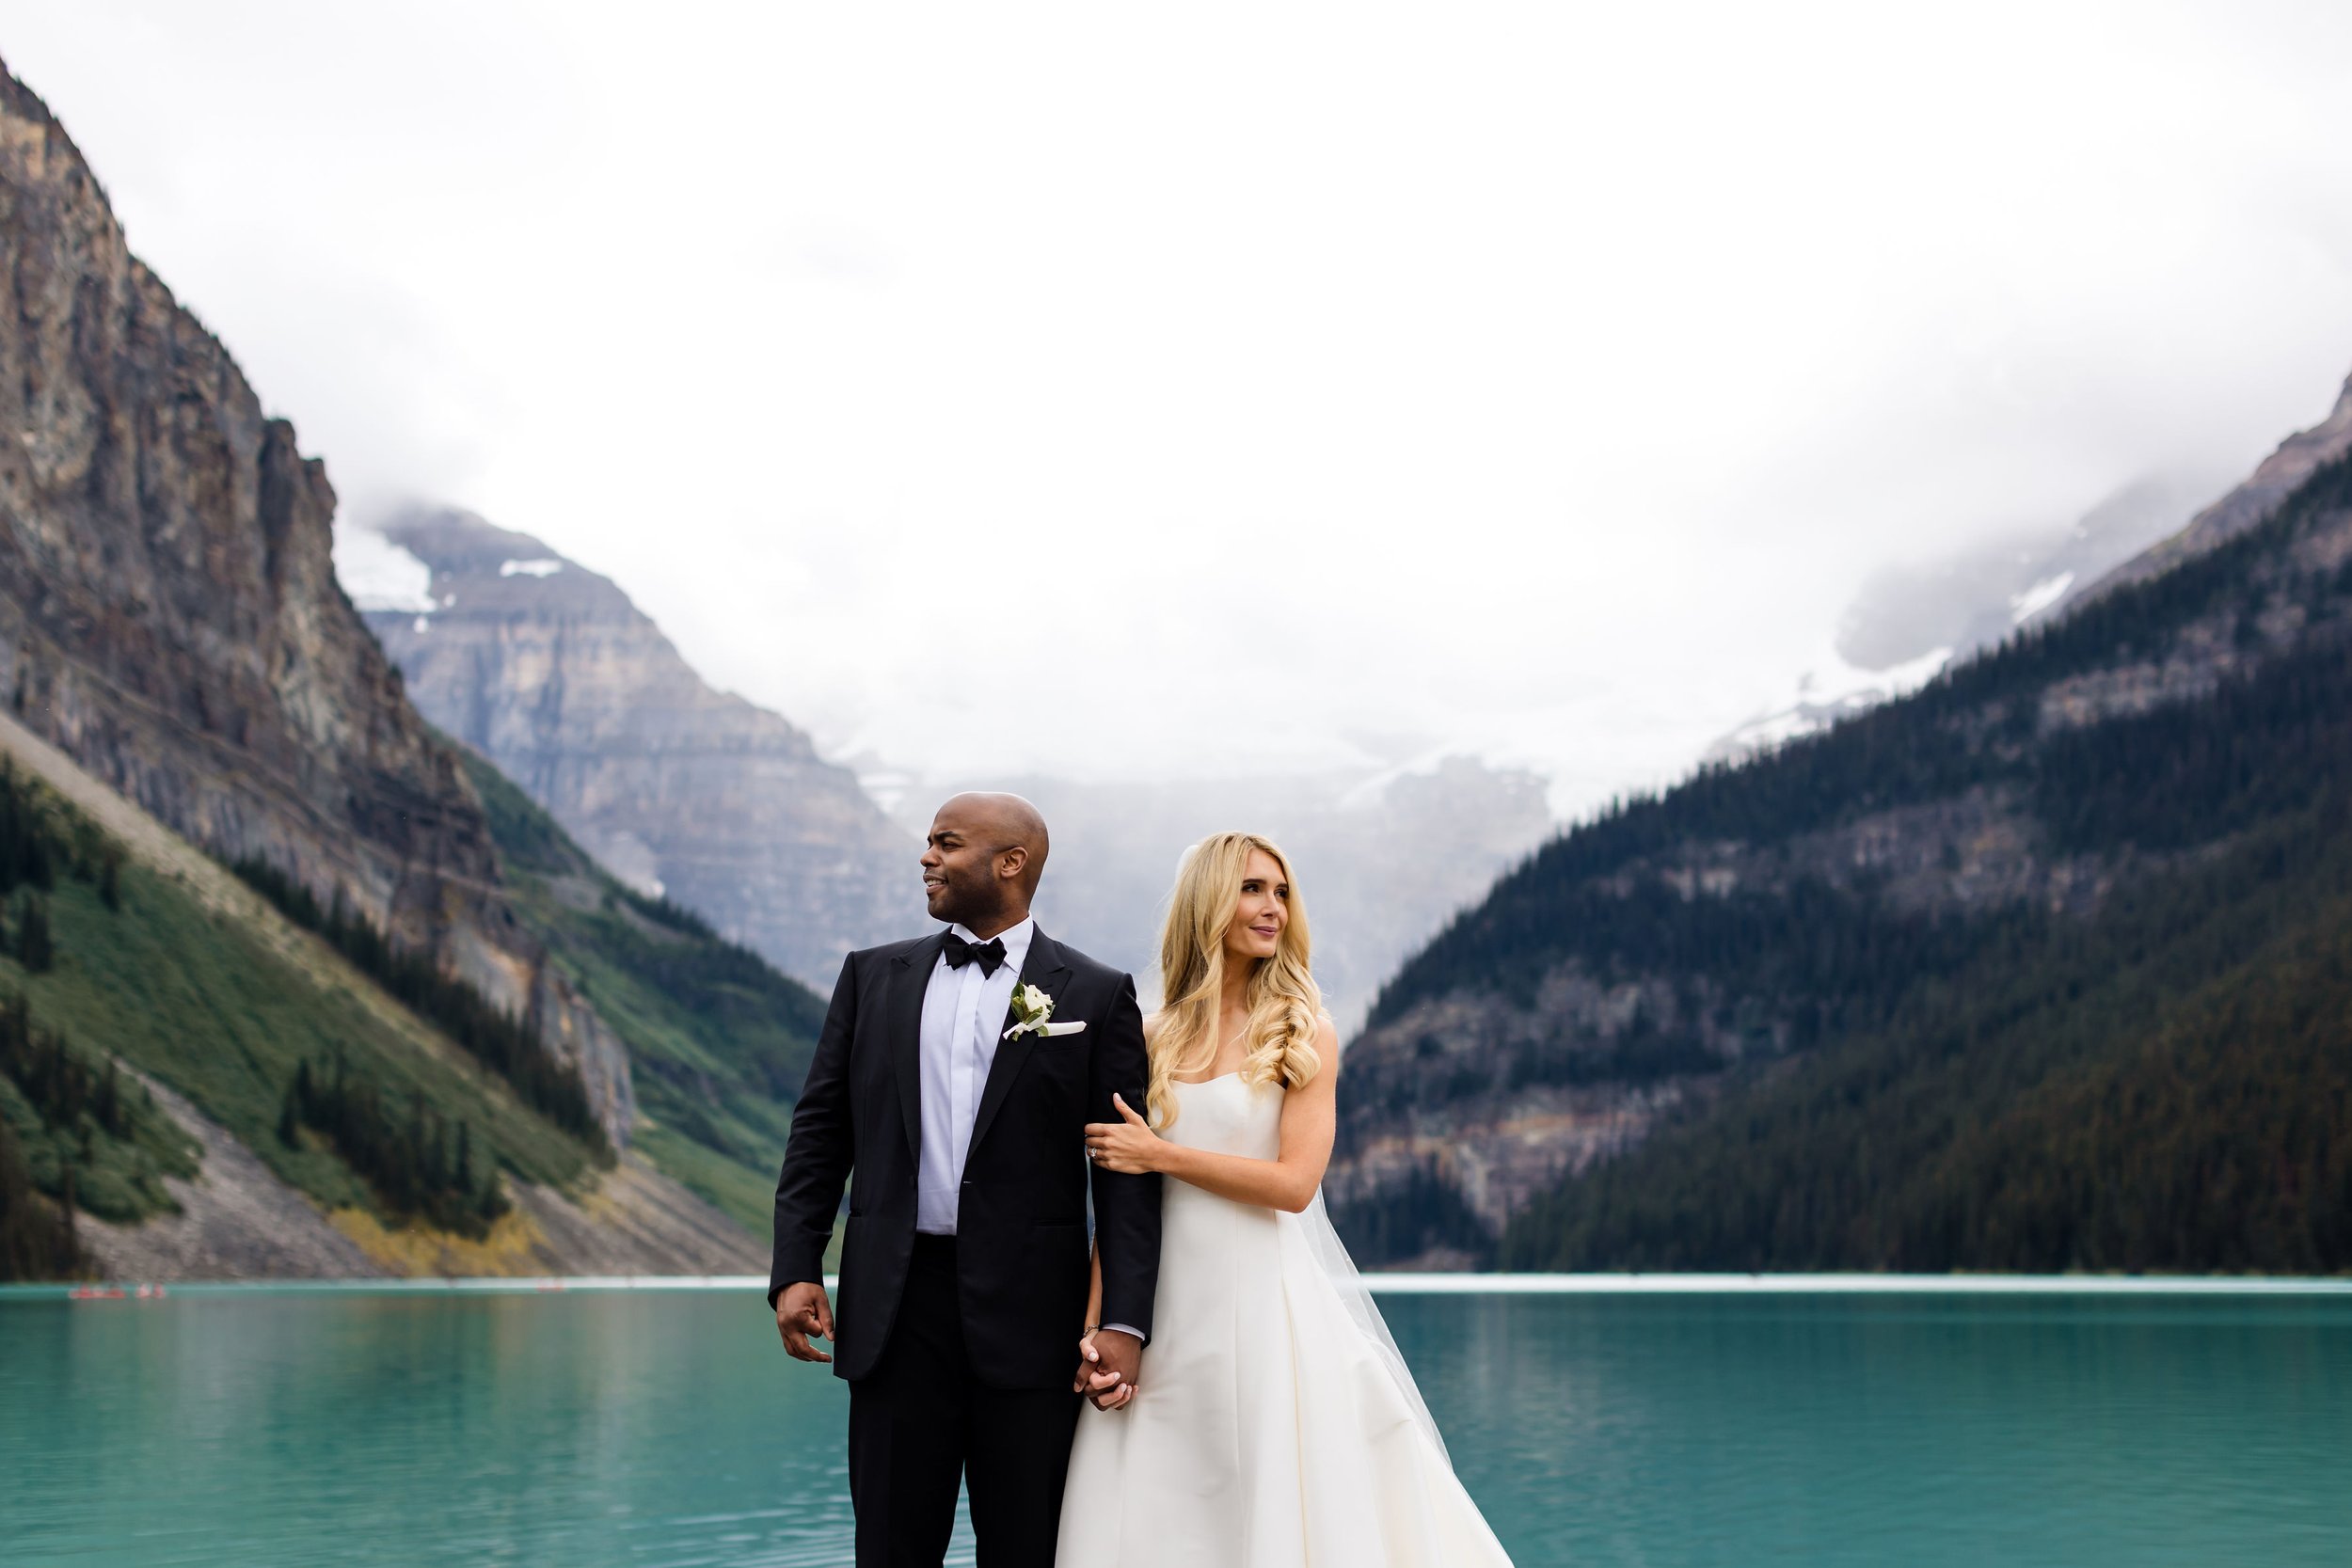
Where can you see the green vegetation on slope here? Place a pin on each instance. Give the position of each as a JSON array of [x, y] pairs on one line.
[[75, 1128], [37, 1238], [416, 1161], [2166, 1086], [142, 970], [497, 1039], [718, 1039], [82, 1128]]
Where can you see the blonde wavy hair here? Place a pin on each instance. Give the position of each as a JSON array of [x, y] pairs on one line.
[[1285, 1004]]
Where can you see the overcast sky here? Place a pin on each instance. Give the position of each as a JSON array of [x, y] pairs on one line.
[[1227, 388]]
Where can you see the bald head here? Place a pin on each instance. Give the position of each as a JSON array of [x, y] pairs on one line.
[[982, 859]]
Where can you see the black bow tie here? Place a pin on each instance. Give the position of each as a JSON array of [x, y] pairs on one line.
[[988, 955]]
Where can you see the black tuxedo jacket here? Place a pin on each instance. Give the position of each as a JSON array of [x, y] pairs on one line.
[[1021, 1221]]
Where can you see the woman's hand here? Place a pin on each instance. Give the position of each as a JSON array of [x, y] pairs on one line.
[[1128, 1147], [1096, 1381]]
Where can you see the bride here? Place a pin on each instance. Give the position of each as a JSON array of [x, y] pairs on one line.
[[1274, 1424]]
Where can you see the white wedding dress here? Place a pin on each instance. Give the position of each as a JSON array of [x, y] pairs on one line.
[[1274, 1425]]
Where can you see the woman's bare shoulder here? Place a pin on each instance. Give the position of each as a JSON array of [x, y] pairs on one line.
[[1151, 1025]]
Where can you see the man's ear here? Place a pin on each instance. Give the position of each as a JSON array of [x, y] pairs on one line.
[[1009, 863]]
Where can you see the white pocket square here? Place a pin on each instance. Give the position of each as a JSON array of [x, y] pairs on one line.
[[1077, 1028]]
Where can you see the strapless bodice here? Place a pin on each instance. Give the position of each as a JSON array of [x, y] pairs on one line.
[[1228, 1115]]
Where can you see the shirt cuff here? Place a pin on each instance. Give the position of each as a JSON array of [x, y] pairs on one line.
[[1122, 1329]]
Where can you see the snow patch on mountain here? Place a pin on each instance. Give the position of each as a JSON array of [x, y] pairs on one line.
[[545, 567], [1834, 689], [2025, 606]]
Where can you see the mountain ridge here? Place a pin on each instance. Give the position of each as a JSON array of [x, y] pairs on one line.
[[2247, 504], [554, 675], [1659, 965], [169, 615]]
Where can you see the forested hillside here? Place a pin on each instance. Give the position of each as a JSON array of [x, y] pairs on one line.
[[2039, 968], [718, 1039], [115, 972], [2166, 1086]]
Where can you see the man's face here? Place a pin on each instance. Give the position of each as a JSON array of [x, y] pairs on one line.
[[960, 859]]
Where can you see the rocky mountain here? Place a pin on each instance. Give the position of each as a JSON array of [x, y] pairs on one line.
[[170, 616], [2246, 506], [550, 671], [1927, 990], [277, 995]]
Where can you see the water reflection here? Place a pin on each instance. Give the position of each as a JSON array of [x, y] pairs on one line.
[[1655, 1430]]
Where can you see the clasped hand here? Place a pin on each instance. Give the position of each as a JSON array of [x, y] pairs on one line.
[[1108, 1362], [1127, 1146]]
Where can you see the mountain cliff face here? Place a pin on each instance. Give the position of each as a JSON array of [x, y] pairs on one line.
[[170, 616], [1836, 970], [548, 669]]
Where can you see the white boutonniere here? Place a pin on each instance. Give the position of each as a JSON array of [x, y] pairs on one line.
[[1033, 1014]]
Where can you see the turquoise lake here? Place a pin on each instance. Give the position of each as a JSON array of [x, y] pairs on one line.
[[1645, 1428]]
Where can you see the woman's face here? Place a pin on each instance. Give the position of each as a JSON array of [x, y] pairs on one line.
[[1264, 910]]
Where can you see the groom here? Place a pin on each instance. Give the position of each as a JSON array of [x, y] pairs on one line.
[[963, 1270]]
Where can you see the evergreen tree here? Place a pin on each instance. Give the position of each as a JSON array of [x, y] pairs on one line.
[[36, 1241], [505, 1044], [403, 1157], [34, 949], [107, 1103]]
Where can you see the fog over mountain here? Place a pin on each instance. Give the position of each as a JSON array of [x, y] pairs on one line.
[[1383, 859], [551, 672], [1911, 619]]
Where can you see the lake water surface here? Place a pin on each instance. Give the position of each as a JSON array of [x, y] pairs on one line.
[[1636, 1427]]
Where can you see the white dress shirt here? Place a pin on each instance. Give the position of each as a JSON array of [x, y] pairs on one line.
[[963, 1013], [963, 1020]]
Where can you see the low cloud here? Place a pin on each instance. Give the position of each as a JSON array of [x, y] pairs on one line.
[[1062, 389]]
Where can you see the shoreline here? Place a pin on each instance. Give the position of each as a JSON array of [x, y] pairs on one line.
[[1380, 1284]]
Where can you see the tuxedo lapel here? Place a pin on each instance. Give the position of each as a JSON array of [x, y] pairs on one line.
[[1046, 969], [903, 1023]]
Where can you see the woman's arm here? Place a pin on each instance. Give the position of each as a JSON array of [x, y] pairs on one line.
[[1288, 1182], [1090, 1379]]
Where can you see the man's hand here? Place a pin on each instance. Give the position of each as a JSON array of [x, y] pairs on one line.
[[1097, 1382], [1116, 1358], [803, 1313]]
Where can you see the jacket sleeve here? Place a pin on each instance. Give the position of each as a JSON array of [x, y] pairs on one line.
[[1126, 1207], [822, 1146]]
